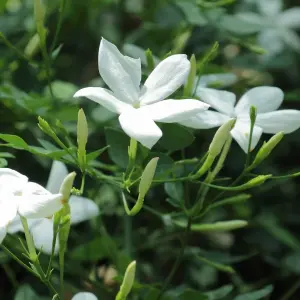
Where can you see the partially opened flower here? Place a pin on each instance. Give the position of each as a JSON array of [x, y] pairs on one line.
[[18, 196], [140, 108], [266, 99], [82, 209], [84, 296]]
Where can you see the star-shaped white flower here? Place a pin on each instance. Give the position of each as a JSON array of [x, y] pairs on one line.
[[18, 196], [84, 296], [266, 99], [278, 27], [82, 209], [139, 108]]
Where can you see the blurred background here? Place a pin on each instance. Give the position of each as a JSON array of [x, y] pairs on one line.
[[253, 45]]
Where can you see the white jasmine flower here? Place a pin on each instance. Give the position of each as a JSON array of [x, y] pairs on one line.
[[82, 209], [21, 197], [266, 99], [278, 26], [140, 108], [84, 296]]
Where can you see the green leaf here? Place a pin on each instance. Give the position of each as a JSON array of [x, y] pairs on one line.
[[191, 12], [93, 155], [176, 192], [14, 141], [292, 262], [218, 266], [175, 137], [270, 224], [256, 295], [220, 293], [239, 25], [62, 90], [164, 165], [192, 295], [118, 142]]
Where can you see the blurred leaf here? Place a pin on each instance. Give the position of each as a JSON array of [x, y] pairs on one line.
[[269, 223], [192, 295], [239, 25], [14, 141], [62, 90], [218, 266], [118, 142], [292, 262], [256, 295], [175, 137], [220, 293], [191, 12]]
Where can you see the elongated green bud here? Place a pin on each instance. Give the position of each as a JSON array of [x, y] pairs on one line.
[[220, 138], [82, 138], [32, 46], [39, 14], [128, 281], [147, 177], [45, 127], [216, 145], [253, 114], [150, 60], [266, 149], [189, 86], [66, 186], [217, 226], [254, 182]]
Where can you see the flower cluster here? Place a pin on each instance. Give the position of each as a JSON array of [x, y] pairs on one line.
[[140, 107]]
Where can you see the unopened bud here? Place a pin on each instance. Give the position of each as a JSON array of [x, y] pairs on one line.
[[128, 281], [254, 182], [150, 60], [216, 146], [220, 138], [266, 149], [189, 86], [253, 114], [32, 46], [147, 177], [219, 226], [66, 186], [82, 137]]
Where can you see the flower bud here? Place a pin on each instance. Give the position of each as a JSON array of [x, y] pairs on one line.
[[253, 114], [82, 137], [219, 226], [216, 146], [82, 130], [189, 86], [147, 177], [150, 60], [266, 149], [32, 46], [128, 281], [254, 182], [220, 138], [66, 186]]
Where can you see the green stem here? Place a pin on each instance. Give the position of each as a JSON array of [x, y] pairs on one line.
[[14, 257], [59, 23], [178, 260], [29, 240], [128, 234]]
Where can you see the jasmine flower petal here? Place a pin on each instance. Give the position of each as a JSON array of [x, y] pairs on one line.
[[170, 111], [205, 120], [103, 97], [140, 127], [222, 101], [84, 296], [286, 120], [290, 18], [57, 175], [264, 98], [121, 73], [241, 133], [165, 79]]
